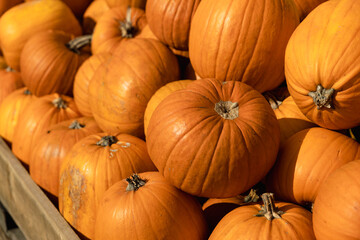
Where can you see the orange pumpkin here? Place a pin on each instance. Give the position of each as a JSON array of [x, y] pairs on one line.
[[51, 147], [24, 20], [242, 40], [94, 164], [92, 14], [10, 81], [158, 209], [213, 139], [37, 117], [125, 3], [322, 65]]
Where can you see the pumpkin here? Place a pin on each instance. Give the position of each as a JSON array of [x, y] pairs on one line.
[[10, 81], [10, 109], [51, 147], [242, 40], [305, 161], [7, 4], [122, 86], [170, 21], [335, 212], [213, 139], [92, 14], [159, 95], [117, 25], [95, 163], [306, 6], [323, 71], [148, 203], [50, 60], [26, 19], [37, 117], [132, 3], [272, 220], [83, 78]]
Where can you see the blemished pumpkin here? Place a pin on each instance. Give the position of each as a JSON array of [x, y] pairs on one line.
[[10, 80], [10, 109], [125, 3], [336, 208], [26, 19], [94, 164], [51, 147], [159, 95], [40, 114], [305, 161], [122, 86], [242, 40], [270, 220], [322, 65], [213, 139], [156, 208], [50, 59], [92, 14], [170, 21], [83, 78]]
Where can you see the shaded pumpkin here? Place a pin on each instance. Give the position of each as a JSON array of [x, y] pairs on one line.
[[37, 117], [213, 139], [94, 164], [10, 81], [51, 147], [92, 14], [158, 209]]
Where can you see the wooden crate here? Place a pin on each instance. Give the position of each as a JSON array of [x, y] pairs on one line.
[[27, 204]]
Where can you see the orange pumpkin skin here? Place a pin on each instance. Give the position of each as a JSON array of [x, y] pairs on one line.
[[303, 166], [335, 211], [7, 4], [88, 170], [211, 154], [330, 59], [24, 20], [159, 95], [51, 147], [125, 3], [107, 34], [241, 40], [10, 109], [37, 117], [306, 6], [43, 71], [83, 78], [160, 202], [170, 21], [92, 14], [10, 81], [121, 87]]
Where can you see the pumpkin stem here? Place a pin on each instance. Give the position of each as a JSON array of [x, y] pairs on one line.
[[59, 103], [27, 92], [9, 69], [77, 43], [76, 125], [227, 110], [251, 197], [107, 141], [269, 211], [126, 28], [272, 100], [135, 182], [322, 97]]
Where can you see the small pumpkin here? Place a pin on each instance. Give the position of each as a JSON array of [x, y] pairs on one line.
[[158, 210], [10, 81]]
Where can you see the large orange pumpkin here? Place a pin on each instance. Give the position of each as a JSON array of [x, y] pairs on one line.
[[322, 65], [156, 208], [242, 40], [213, 139], [10, 80]]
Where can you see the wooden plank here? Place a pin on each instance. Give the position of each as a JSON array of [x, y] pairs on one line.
[[32, 211]]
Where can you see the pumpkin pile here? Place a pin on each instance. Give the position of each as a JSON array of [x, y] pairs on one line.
[[187, 119]]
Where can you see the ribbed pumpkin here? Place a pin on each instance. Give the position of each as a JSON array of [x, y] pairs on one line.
[[242, 40], [156, 208], [37, 117], [92, 14], [170, 21], [213, 139], [24, 20], [272, 220], [305, 161], [125, 3], [159, 95], [93, 165], [122, 86], [7, 4], [336, 208], [10, 109], [117, 25], [306, 6], [322, 65], [83, 78], [50, 60], [10, 80], [51, 147]]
